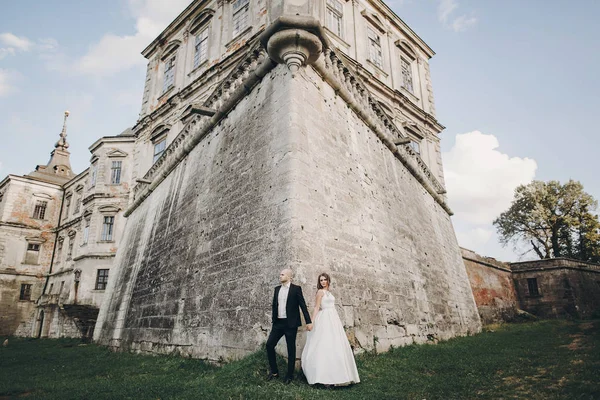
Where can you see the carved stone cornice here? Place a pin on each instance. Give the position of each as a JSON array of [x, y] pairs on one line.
[[226, 95], [357, 96]]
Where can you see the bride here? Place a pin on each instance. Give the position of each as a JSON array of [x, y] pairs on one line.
[[327, 357]]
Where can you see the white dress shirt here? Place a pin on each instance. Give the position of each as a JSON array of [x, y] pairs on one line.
[[282, 300]]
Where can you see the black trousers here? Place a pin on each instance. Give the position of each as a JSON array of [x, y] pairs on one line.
[[281, 328]]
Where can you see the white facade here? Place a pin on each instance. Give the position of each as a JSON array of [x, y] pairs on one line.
[[89, 230], [390, 58]]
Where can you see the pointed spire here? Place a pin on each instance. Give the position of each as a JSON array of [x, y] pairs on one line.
[[58, 169], [62, 142]]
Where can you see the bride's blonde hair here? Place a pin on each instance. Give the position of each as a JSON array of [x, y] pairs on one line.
[[319, 286]]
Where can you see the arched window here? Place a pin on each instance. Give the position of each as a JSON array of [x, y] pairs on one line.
[[159, 141], [408, 58], [199, 28], [169, 59], [416, 138]]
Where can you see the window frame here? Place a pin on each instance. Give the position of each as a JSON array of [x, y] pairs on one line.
[[407, 73], [68, 200], [93, 173], [170, 66], [32, 255], [376, 60], [108, 236], [25, 293], [533, 283], [201, 46], [39, 210], [86, 230], [332, 12], [155, 142], [242, 11], [101, 278], [116, 172], [71, 246]]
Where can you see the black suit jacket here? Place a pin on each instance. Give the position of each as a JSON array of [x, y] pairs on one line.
[[295, 300]]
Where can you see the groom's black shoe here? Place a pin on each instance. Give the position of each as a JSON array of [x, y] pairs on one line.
[[270, 377], [288, 380]]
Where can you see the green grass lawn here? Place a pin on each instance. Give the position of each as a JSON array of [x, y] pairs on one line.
[[538, 360]]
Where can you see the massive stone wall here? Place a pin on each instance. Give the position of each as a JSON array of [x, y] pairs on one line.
[[200, 256], [493, 288], [360, 215], [290, 178]]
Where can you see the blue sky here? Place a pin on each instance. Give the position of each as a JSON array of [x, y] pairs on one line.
[[515, 84]]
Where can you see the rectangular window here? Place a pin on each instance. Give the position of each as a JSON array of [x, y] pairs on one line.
[[59, 251], [62, 285], [101, 279], [51, 288], [107, 228], [33, 253], [93, 173], [415, 146], [335, 14], [241, 10], [375, 54], [71, 244], [86, 231], [67, 206], [407, 80], [33, 247], [25, 291], [533, 287], [115, 172], [169, 76], [77, 204], [159, 148], [201, 48], [39, 212]]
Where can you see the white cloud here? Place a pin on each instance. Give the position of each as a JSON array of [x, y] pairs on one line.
[[47, 45], [474, 238], [12, 41], [463, 23], [458, 24], [114, 53], [9, 51], [480, 179], [445, 8], [7, 80], [11, 44]]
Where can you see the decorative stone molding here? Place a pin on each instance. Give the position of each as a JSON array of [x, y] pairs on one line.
[[226, 95], [294, 41], [294, 47], [355, 93]]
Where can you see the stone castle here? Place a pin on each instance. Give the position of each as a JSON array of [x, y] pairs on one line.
[[286, 134], [298, 134]]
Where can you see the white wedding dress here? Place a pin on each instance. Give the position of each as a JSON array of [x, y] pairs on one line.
[[327, 357]]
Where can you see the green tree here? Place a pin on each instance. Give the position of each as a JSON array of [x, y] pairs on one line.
[[553, 220]]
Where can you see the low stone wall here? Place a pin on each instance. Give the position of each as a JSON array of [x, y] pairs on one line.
[[493, 287], [565, 288]]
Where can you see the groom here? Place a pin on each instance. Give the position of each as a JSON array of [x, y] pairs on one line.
[[286, 320]]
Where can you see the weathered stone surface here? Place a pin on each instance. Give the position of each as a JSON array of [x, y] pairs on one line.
[[291, 178], [566, 288], [493, 287]]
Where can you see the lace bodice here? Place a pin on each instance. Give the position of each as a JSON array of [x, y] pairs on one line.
[[328, 301]]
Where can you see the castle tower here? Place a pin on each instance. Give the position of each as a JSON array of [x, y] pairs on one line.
[[294, 134]]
